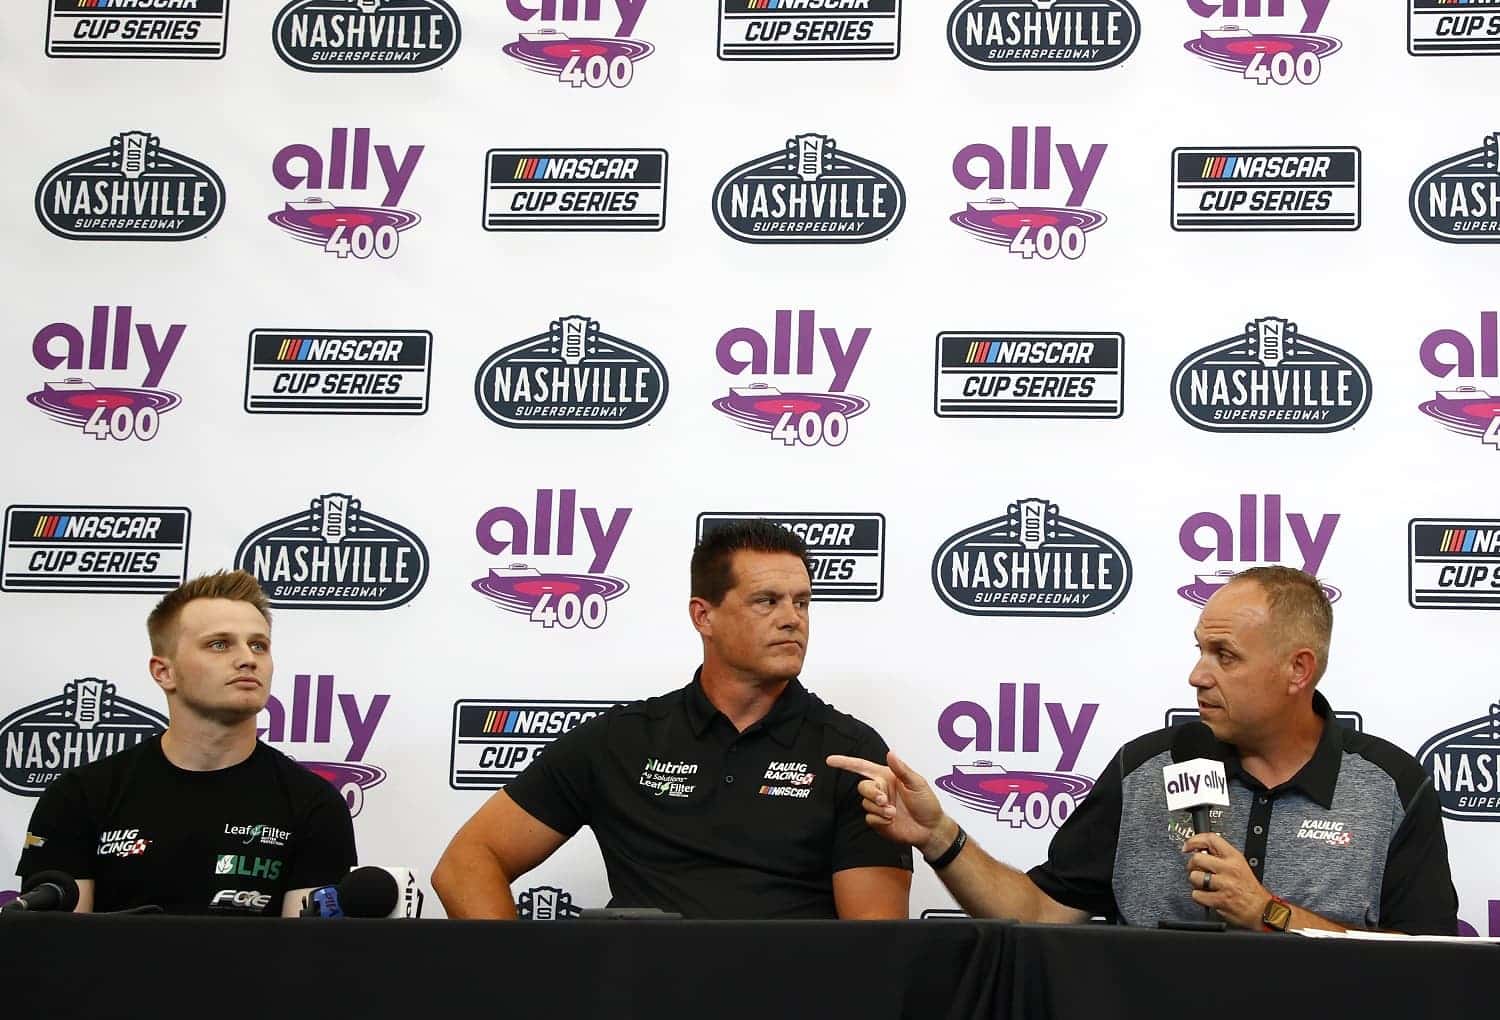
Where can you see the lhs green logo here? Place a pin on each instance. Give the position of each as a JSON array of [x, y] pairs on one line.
[[249, 867]]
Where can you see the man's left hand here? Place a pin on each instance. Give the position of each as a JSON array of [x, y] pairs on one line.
[[1232, 888]]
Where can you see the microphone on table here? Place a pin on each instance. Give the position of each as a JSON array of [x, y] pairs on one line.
[[367, 892], [1196, 782], [46, 890]]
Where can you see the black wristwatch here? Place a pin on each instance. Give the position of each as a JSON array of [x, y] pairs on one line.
[[945, 858]]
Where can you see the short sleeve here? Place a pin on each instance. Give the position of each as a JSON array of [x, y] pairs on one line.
[[325, 845], [855, 844], [1417, 895], [1080, 865], [62, 835], [557, 788]]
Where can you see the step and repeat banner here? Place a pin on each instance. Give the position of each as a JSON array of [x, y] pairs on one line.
[[458, 321]]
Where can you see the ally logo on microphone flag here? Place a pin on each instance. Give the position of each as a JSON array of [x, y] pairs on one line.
[[1196, 783]]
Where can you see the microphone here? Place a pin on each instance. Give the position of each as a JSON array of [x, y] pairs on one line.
[[322, 902], [46, 890], [1195, 780], [368, 892]]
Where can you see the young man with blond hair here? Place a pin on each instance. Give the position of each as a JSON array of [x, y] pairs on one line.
[[205, 818]]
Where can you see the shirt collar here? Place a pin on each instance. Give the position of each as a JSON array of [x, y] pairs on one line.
[[783, 722], [1320, 775]]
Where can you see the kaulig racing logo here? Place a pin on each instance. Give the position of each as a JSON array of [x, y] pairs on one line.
[[1285, 48], [149, 29], [798, 416], [810, 192], [555, 598], [1032, 562], [134, 190], [1036, 228], [106, 410], [366, 35], [1466, 409], [1464, 763], [592, 59], [1245, 188], [366, 222], [1043, 35], [572, 376], [85, 723], [1260, 542], [809, 30], [308, 726], [1441, 28], [1457, 200], [1271, 378], [323, 371], [1454, 563], [1033, 798], [335, 555], [575, 189], [494, 741]]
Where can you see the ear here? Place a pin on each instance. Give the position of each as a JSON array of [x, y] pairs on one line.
[[161, 672], [700, 611], [1303, 667]]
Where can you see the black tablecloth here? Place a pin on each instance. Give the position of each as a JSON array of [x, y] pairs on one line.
[[103, 967]]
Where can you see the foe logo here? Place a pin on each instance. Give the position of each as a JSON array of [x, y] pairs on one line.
[[106, 411], [85, 723], [354, 228], [1468, 410], [1287, 52], [135, 190], [1458, 200], [366, 35], [1435, 29], [194, 30], [1311, 546], [593, 60], [821, 30], [1043, 35], [1034, 229]]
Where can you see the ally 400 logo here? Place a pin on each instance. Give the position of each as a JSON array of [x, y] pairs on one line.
[[367, 220], [1281, 46], [1463, 407], [595, 57], [1040, 228]]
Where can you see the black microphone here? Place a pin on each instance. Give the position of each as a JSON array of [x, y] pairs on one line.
[[369, 892], [1192, 742], [46, 890]]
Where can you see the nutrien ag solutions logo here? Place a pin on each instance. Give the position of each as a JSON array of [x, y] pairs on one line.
[[1457, 200], [556, 597], [1454, 563], [368, 219], [1043, 35], [134, 190], [847, 550], [494, 741], [820, 30], [1256, 539], [572, 376], [1036, 226], [575, 189], [1271, 378], [1035, 799], [1244, 188], [1280, 46], [95, 550], [1463, 407], [388, 36], [591, 56], [307, 728], [797, 416], [85, 723], [1434, 28], [810, 192], [335, 555], [1030, 375], [99, 406], [1464, 763], [149, 29], [325, 371], [1032, 562]]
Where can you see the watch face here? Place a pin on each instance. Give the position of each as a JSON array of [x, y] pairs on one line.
[[1277, 915]]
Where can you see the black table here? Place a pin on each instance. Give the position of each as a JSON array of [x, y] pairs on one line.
[[108, 967]]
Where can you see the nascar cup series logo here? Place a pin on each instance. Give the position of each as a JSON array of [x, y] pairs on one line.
[[1271, 378], [1463, 407], [1030, 375], [590, 58], [134, 190], [575, 189], [811, 192], [1043, 35], [847, 550], [809, 29], [95, 550], [1032, 562], [572, 376], [323, 371], [1036, 228], [1458, 199], [1035, 799], [306, 731], [1280, 47], [555, 598], [88, 721], [1266, 189], [102, 409], [494, 741], [335, 555], [1453, 28], [1464, 763], [366, 35], [155, 29], [1260, 538], [1454, 564], [796, 417], [352, 226]]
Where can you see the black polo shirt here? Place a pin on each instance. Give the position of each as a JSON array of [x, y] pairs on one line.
[[694, 817], [1356, 836]]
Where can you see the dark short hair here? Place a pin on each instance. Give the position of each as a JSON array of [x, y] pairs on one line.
[[1300, 611], [713, 574]]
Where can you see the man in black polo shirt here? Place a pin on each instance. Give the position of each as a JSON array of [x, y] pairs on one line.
[[713, 801], [1327, 828], [205, 818]]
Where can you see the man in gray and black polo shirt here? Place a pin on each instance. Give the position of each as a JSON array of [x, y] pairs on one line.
[[1326, 827]]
